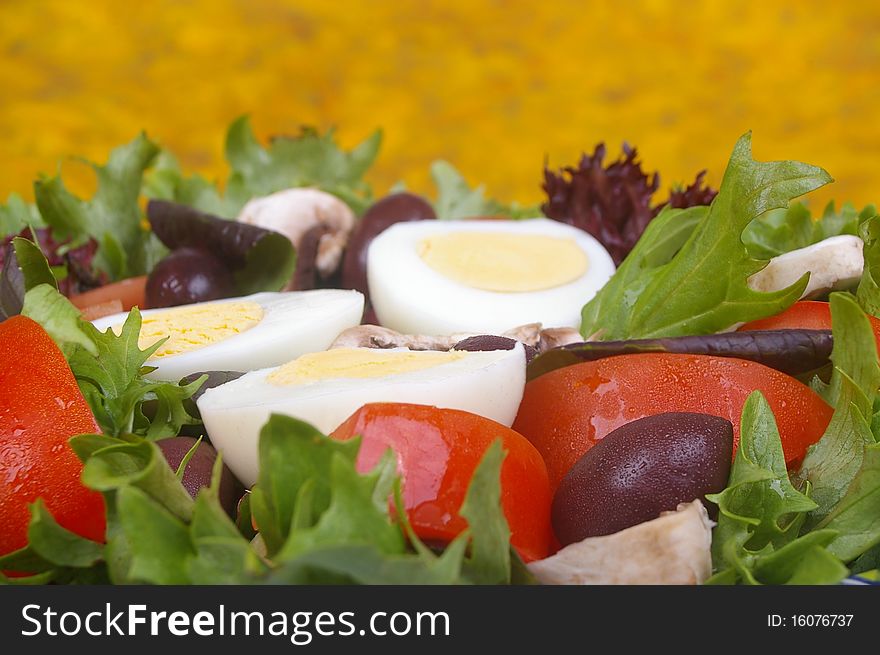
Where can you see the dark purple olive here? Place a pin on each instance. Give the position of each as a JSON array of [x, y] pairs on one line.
[[199, 468], [186, 276], [395, 208], [483, 342], [641, 469]]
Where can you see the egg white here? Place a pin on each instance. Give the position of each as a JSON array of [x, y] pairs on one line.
[[490, 384], [293, 323], [411, 297]]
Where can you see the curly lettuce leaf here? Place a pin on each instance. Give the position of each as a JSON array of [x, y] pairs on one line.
[[456, 199], [783, 230], [704, 287], [113, 384], [112, 216], [760, 513], [309, 159]]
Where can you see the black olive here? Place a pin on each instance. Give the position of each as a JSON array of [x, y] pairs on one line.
[[641, 469], [395, 208], [186, 276], [199, 468], [482, 342]]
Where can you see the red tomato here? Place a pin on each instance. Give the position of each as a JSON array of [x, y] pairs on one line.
[[437, 453], [565, 412], [41, 407], [130, 293], [804, 315]]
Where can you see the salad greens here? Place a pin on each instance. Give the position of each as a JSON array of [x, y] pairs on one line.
[[805, 529], [703, 287], [112, 217], [325, 524], [783, 230], [309, 159], [320, 520]]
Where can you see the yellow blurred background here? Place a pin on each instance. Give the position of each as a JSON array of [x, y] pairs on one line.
[[492, 86]]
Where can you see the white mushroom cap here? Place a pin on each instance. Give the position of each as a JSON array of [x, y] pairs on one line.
[[294, 212], [834, 263]]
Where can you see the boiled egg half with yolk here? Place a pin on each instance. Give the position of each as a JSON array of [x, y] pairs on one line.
[[242, 334], [485, 276], [325, 388]]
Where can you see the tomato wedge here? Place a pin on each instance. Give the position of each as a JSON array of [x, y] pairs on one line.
[[804, 315], [130, 293], [437, 452], [565, 412], [41, 407]]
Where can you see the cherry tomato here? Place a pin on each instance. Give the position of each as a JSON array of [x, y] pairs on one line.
[[565, 412], [41, 407], [129, 292], [437, 452], [804, 315]]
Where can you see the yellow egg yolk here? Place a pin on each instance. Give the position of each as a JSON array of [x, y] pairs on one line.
[[496, 261], [357, 363], [194, 327]]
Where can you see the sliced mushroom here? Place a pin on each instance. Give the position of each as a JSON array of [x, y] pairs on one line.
[[373, 336], [672, 549], [834, 263], [294, 212]]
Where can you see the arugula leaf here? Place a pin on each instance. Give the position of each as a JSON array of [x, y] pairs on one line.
[[704, 288], [783, 230], [112, 217]]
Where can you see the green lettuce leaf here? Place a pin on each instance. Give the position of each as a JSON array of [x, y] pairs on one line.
[[307, 160], [112, 217], [456, 199], [760, 513], [856, 518], [704, 287], [868, 291], [831, 464], [783, 230], [59, 318], [17, 214]]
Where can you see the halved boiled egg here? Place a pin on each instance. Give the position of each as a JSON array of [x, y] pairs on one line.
[[325, 388], [485, 276], [242, 334]]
